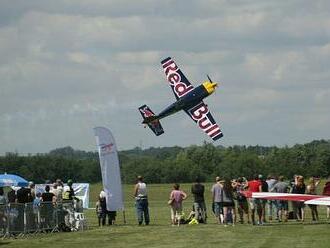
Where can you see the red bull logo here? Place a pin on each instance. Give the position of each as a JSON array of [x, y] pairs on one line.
[[173, 75], [147, 112], [200, 114], [106, 148]]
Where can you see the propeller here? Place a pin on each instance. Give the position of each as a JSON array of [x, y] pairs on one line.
[[209, 78]]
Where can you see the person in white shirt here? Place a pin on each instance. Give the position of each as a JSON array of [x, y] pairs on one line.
[[141, 201]]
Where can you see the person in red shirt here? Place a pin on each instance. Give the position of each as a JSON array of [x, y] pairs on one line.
[[255, 186]]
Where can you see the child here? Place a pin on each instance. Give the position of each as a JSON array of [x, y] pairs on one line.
[[36, 206], [101, 210]]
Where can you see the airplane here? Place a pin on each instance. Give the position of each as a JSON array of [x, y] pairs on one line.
[[188, 99]]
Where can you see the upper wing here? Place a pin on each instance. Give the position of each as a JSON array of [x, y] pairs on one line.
[[202, 116], [178, 82]]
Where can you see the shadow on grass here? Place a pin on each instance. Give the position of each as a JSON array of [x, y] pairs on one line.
[[3, 243]]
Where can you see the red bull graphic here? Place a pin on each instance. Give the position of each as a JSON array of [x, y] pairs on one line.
[[154, 125], [146, 112], [106, 148], [179, 83], [201, 115]]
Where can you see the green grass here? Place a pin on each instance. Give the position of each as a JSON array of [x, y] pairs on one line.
[[161, 234]]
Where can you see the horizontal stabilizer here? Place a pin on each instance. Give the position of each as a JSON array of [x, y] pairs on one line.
[[151, 120]]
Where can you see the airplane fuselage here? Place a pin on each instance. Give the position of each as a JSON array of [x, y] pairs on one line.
[[187, 101]]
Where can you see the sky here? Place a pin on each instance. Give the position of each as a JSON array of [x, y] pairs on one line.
[[69, 66]]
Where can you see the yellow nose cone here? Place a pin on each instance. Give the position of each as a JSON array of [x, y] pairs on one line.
[[210, 87]]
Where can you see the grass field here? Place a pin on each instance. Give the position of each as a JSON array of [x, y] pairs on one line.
[[161, 234]]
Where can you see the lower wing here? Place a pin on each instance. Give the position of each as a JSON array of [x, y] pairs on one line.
[[308, 199], [202, 116], [319, 201]]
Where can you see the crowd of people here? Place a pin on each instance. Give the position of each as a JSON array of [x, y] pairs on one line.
[[39, 207], [23, 195], [230, 197]]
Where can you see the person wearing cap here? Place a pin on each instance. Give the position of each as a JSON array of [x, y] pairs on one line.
[[68, 192]]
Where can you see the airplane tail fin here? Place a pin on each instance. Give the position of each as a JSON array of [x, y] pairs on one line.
[[150, 119]]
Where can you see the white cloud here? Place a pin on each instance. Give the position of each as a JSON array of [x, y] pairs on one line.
[[69, 65]]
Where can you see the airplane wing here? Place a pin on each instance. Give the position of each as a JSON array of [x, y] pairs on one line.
[[319, 201], [202, 116], [287, 197], [177, 80]]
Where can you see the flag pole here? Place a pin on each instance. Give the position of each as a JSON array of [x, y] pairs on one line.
[[124, 216]]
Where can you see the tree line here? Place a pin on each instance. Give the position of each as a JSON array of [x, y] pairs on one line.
[[175, 164]]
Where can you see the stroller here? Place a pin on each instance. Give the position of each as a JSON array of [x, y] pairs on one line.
[[75, 218]]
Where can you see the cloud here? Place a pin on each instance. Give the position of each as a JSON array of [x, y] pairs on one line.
[[71, 65]]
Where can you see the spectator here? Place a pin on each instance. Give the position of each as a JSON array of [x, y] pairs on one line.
[[228, 202], [11, 195], [311, 190], [111, 214], [281, 187], [3, 199], [298, 187], [271, 181], [217, 192], [3, 214], [24, 195], [46, 211], [255, 204], [48, 196], [59, 197], [197, 189], [32, 188], [141, 201], [58, 192], [326, 191], [37, 200], [242, 204], [111, 217], [101, 209], [176, 198], [263, 202], [36, 205], [68, 191]]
